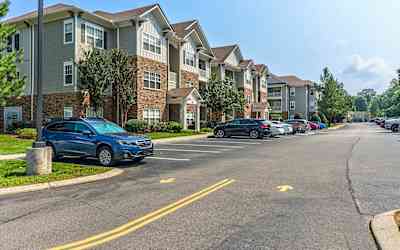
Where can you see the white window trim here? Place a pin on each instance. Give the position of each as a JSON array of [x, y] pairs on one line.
[[69, 21], [292, 91], [191, 53], [292, 107], [69, 109], [155, 80], [151, 115], [94, 26], [156, 37], [69, 63]]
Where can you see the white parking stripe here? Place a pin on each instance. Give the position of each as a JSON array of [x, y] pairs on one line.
[[167, 159], [187, 150], [234, 142], [201, 145]]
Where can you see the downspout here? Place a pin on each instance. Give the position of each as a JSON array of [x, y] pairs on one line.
[[118, 111]]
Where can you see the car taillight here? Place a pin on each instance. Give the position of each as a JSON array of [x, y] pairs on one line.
[[264, 126]]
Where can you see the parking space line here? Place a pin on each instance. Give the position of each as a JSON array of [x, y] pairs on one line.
[[166, 158], [202, 145], [187, 150], [234, 142]]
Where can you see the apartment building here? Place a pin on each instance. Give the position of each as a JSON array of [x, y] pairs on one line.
[[248, 77], [290, 95], [172, 61]]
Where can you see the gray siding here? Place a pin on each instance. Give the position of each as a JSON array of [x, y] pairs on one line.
[[301, 100], [127, 39], [24, 67]]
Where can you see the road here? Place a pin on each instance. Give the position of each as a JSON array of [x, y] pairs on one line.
[[302, 192]]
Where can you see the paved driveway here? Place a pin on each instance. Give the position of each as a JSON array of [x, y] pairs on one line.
[[331, 184]]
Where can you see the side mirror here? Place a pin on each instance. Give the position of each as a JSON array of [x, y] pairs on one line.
[[87, 132]]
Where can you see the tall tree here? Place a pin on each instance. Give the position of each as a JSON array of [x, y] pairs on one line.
[[360, 103], [94, 75], [222, 96], [10, 83], [122, 74], [368, 94]]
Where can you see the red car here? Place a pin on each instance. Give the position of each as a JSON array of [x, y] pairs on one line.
[[313, 125]]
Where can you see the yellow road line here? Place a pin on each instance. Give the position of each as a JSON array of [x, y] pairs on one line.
[[140, 222]]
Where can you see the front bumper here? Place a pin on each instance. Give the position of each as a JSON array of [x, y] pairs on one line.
[[134, 153]]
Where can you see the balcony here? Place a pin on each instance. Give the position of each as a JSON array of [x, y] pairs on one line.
[[203, 75], [275, 94], [173, 80], [276, 108]]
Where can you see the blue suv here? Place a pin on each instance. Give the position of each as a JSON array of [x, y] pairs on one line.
[[95, 137]]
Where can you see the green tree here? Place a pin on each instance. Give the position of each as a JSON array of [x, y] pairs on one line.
[[360, 103], [121, 74], [95, 76], [368, 94], [375, 107], [10, 83], [222, 96]]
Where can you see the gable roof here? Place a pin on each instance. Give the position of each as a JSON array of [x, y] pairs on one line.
[[246, 63], [125, 15], [295, 81], [274, 79], [221, 53], [179, 94], [182, 29]]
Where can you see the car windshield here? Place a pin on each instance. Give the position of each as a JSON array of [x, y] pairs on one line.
[[107, 128]]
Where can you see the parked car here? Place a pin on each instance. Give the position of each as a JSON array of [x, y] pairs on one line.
[[299, 125], [95, 137], [392, 124], [254, 128], [276, 129], [313, 126], [287, 127]]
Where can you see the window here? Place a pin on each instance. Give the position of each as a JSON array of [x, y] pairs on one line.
[[292, 105], [94, 35], [189, 58], [16, 42], [68, 112], [151, 43], [189, 84], [248, 99], [80, 128], [292, 91], [68, 76], [263, 83], [68, 32], [9, 44], [202, 65], [152, 80], [152, 116]]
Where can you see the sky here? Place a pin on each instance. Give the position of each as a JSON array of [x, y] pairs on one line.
[[357, 39]]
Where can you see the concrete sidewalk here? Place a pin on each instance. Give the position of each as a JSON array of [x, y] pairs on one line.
[[12, 157]]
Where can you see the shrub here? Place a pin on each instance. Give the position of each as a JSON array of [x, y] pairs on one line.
[[315, 118], [135, 126], [323, 118], [206, 130], [26, 133], [20, 125], [174, 127]]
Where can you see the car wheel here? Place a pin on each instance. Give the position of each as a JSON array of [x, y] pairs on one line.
[[395, 128], [105, 156], [220, 133], [254, 134]]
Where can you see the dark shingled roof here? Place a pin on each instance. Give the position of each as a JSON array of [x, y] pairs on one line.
[[274, 79], [221, 53], [295, 81], [48, 10], [124, 15], [180, 92], [181, 28]]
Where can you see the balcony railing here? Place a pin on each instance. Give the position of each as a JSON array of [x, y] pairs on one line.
[[274, 94], [276, 108], [173, 80]]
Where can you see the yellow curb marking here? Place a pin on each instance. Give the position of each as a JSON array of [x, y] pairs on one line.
[[284, 188], [142, 221], [166, 181]]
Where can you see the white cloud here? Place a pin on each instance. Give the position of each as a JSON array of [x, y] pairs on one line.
[[367, 73]]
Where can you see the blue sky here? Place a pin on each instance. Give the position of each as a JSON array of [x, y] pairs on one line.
[[358, 39]]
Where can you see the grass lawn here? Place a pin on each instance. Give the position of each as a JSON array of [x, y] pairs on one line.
[[12, 145], [13, 173], [162, 135]]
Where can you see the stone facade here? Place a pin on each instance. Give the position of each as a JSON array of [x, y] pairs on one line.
[[189, 77], [150, 98]]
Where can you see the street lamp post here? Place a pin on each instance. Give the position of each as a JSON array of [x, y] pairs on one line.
[[39, 157], [39, 76]]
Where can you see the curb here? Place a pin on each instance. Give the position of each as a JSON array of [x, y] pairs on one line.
[[79, 180], [181, 138], [386, 231], [12, 157]]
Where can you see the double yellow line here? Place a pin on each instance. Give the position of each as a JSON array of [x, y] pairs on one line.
[[141, 222]]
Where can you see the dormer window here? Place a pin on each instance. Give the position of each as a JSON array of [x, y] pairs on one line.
[[151, 43]]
